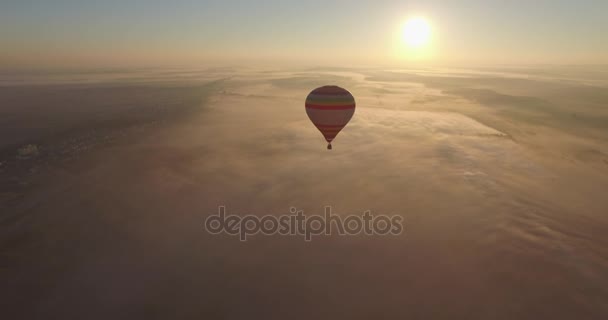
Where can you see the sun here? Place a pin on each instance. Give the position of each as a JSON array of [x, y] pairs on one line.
[[416, 32]]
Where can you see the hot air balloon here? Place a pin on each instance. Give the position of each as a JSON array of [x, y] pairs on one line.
[[330, 108]]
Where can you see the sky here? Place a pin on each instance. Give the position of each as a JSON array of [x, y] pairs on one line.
[[37, 33]]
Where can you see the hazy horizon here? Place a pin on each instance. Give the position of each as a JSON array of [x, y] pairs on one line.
[[189, 33]]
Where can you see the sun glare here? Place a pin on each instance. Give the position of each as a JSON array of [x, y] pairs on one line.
[[416, 32]]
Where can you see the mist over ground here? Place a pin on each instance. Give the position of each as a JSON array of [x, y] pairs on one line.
[[500, 175]]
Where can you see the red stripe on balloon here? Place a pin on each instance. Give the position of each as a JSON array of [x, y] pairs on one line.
[[320, 107], [330, 125]]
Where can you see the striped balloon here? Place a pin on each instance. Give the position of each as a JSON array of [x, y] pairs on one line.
[[330, 108]]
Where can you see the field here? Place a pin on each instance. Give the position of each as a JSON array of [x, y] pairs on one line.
[[500, 175]]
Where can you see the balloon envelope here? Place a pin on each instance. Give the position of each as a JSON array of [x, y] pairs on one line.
[[330, 108]]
